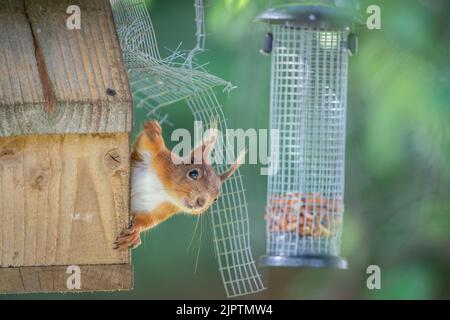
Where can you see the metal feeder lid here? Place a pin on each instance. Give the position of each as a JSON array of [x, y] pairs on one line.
[[316, 15]]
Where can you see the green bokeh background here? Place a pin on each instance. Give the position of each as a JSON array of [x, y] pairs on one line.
[[397, 159]]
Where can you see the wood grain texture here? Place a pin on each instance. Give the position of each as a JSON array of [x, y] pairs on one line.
[[19, 77], [63, 199], [54, 278], [55, 80]]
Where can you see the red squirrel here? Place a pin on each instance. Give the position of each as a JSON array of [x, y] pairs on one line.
[[162, 187]]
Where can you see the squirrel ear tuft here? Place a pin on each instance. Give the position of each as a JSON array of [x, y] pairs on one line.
[[240, 159], [201, 154]]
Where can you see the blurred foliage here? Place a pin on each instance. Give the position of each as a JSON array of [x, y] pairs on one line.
[[397, 160]]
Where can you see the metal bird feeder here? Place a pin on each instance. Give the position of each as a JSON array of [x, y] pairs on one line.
[[310, 46]]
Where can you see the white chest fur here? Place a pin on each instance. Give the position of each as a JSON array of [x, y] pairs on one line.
[[147, 190]]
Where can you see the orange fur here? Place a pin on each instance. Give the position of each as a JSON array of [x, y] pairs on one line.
[[149, 220], [169, 187], [150, 140]]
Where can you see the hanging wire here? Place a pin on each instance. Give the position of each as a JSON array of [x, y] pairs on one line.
[[200, 34]]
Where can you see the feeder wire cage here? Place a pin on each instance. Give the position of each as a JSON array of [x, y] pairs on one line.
[[304, 212]]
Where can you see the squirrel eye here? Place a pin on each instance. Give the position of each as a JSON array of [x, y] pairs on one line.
[[215, 199], [193, 174]]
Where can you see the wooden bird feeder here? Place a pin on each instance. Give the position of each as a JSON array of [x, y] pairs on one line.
[[65, 122]]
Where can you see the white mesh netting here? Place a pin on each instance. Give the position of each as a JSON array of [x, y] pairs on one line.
[[158, 82]]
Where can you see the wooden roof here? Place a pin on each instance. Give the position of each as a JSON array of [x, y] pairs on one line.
[[57, 80]]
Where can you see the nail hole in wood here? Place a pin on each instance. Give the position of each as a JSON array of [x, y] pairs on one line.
[[111, 92]]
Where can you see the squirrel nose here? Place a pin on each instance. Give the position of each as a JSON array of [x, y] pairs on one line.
[[201, 201]]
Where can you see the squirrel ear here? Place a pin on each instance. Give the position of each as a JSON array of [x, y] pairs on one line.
[[240, 159], [201, 154], [176, 159]]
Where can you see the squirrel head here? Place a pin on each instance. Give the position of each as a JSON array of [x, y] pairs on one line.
[[195, 182]]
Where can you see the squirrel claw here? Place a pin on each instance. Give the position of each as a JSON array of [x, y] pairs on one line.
[[128, 242], [136, 243], [153, 129], [128, 239]]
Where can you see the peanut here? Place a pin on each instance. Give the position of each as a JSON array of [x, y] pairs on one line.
[[288, 212]]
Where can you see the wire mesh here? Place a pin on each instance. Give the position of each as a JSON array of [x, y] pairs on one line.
[[158, 82], [308, 108]]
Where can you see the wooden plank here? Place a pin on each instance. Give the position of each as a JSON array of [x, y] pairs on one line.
[[63, 199], [66, 118], [83, 63], [54, 278], [56, 80], [19, 78]]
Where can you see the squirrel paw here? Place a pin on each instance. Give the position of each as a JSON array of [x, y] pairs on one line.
[[130, 238], [153, 129]]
